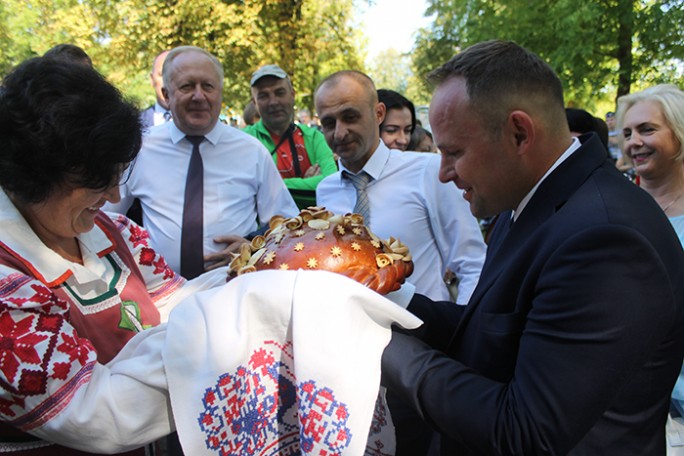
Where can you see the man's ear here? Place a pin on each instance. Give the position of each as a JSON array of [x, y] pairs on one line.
[[165, 94], [521, 126], [380, 111]]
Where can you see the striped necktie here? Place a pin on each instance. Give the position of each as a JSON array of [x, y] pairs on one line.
[[360, 182]]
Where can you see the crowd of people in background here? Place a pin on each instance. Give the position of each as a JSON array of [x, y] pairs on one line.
[[546, 242]]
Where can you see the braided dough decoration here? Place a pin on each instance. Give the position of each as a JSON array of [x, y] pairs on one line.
[[318, 239]]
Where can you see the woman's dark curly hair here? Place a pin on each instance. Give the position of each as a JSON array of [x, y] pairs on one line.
[[63, 124]]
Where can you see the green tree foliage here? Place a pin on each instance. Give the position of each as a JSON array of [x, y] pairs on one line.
[[30, 28], [329, 41], [600, 48], [308, 38], [390, 70]]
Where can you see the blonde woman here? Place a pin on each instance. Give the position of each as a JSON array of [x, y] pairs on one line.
[[651, 126], [651, 132]]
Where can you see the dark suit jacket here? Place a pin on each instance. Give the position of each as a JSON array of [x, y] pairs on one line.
[[574, 336], [147, 117]]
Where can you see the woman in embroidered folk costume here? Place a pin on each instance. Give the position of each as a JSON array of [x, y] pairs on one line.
[[75, 284]]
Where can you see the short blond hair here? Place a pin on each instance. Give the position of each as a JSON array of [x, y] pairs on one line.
[[671, 101]]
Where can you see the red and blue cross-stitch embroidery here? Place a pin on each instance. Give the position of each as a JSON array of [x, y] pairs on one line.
[[323, 420], [258, 410]]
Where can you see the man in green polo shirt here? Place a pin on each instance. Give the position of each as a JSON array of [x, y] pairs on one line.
[[301, 153]]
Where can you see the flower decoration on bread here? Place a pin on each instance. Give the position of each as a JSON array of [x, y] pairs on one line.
[[317, 239]]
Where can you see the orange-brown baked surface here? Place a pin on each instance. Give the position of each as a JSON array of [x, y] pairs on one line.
[[319, 239]]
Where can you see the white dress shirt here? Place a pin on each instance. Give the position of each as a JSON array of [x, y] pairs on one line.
[[241, 187], [408, 202]]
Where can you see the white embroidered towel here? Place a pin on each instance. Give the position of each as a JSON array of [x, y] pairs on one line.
[[280, 363]]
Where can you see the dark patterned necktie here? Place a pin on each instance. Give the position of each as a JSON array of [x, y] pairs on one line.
[[167, 116], [360, 182], [192, 230]]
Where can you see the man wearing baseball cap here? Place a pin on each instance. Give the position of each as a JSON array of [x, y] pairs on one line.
[[301, 153]]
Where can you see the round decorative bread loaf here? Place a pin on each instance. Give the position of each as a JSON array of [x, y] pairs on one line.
[[318, 239]]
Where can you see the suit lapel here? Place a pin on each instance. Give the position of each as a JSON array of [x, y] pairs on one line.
[[550, 197]]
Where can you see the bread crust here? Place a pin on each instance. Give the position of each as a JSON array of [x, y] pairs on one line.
[[319, 240]]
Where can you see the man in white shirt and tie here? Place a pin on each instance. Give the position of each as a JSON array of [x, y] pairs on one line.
[[399, 195], [405, 198], [241, 187]]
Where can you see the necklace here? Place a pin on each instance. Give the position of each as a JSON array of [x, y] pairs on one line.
[[672, 202]]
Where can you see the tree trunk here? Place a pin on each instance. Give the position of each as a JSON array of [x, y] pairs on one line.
[[624, 48]]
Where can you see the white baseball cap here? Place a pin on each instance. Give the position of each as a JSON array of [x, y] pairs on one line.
[[267, 70]]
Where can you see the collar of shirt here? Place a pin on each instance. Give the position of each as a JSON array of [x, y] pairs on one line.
[[49, 267], [159, 109], [574, 145], [213, 136], [375, 164]]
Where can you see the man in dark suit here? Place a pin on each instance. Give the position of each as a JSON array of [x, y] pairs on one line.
[[156, 114], [574, 336], [159, 112]]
